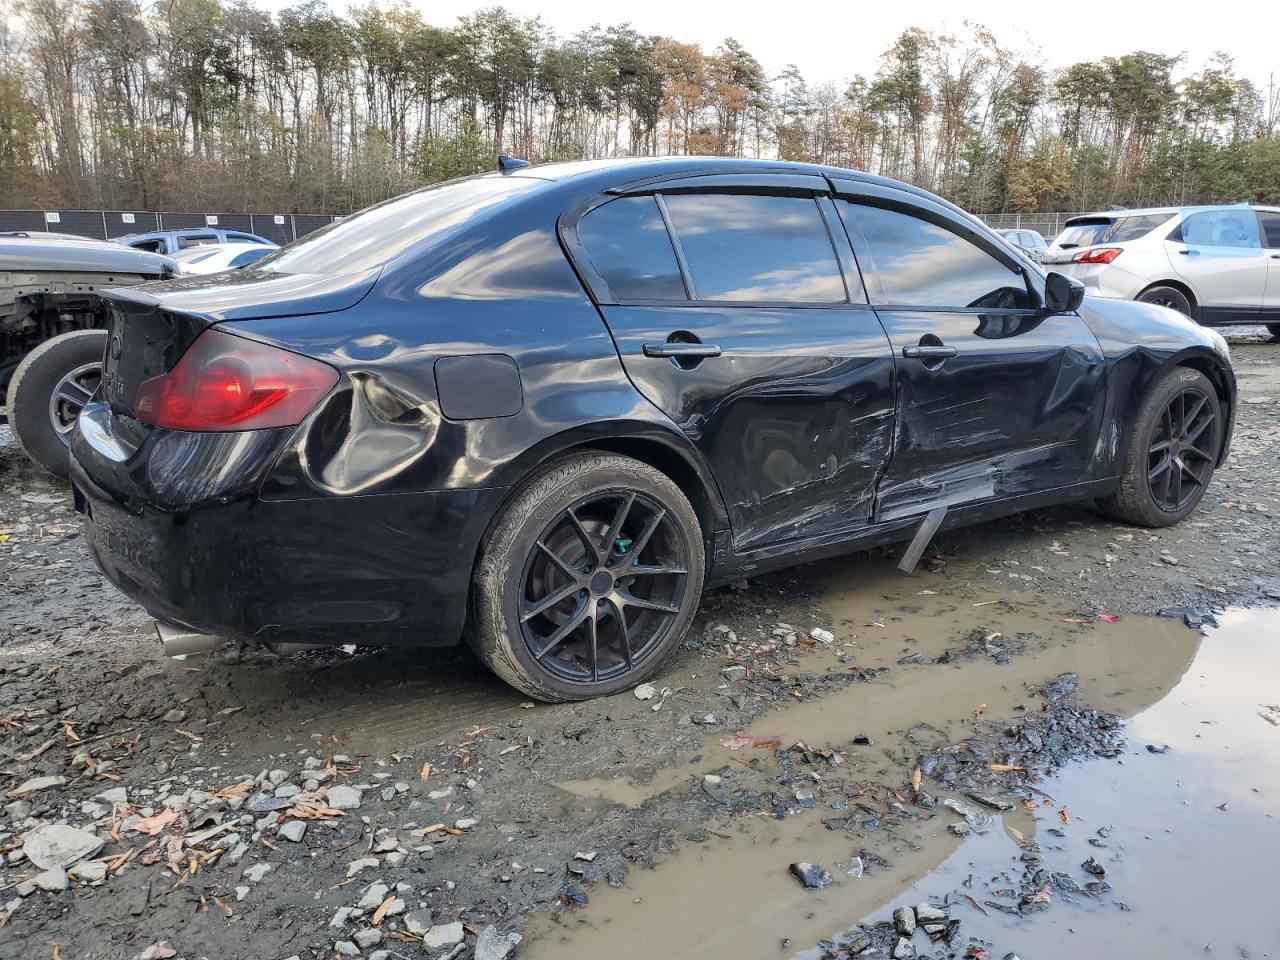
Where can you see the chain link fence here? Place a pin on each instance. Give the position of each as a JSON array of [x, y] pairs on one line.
[[108, 224], [1049, 225]]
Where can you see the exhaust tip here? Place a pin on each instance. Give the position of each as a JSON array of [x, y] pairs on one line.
[[179, 641]]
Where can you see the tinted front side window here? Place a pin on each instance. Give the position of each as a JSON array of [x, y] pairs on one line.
[[924, 265], [628, 243], [756, 248]]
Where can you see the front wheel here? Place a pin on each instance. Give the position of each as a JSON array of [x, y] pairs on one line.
[[47, 391], [1170, 450], [588, 579]]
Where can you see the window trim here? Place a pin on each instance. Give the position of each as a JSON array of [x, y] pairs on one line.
[[772, 185], [1262, 229]]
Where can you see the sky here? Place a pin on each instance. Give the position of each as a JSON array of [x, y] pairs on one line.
[[832, 42]]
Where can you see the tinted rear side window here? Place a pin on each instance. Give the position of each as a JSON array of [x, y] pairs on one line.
[[1270, 229], [628, 243], [745, 247], [1132, 228], [921, 264]]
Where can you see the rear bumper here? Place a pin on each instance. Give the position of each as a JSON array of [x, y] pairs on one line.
[[1108, 280], [387, 569]]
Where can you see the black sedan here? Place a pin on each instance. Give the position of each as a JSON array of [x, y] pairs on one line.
[[545, 407]]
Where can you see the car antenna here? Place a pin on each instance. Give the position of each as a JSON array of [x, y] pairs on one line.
[[506, 164]]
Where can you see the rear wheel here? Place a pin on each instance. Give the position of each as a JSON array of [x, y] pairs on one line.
[[1170, 451], [47, 392], [1170, 297], [588, 580]]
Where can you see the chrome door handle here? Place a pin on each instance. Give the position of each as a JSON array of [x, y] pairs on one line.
[[681, 351], [927, 352]]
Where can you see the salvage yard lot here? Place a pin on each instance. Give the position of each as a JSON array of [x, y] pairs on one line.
[[248, 805]]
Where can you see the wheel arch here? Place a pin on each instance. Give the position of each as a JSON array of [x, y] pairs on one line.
[[1182, 287], [1223, 381]]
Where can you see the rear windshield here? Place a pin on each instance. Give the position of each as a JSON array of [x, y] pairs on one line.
[[1086, 233], [381, 233]]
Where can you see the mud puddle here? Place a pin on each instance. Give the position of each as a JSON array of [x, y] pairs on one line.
[[1185, 873]]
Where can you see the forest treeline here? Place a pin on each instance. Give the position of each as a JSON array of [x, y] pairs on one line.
[[218, 105]]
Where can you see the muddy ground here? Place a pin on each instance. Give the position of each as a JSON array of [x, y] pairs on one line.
[[437, 814]]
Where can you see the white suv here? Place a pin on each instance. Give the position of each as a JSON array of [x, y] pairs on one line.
[[1218, 265]]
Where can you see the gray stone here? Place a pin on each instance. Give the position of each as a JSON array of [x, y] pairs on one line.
[[59, 845], [496, 943], [287, 790], [735, 673], [344, 798], [466, 823], [241, 893], [367, 938], [114, 795], [176, 715], [418, 922], [54, 880], [904, 921], [278, 777], [35, 785], [340, 917], [293, 830], [373, 897], [926, 913], [443, 936], [345, 948], [810, 875], [255, 873], [90, 871], [364, 863], [903, 949]]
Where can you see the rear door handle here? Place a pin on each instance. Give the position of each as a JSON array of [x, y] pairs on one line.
[[927, 352], [681, 351], [1190, 253]]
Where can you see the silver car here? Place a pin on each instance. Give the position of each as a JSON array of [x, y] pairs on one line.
[[1219, 265], [1028, 241]]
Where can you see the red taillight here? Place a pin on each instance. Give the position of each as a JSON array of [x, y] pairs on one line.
[[1097, 255], [224, 382]]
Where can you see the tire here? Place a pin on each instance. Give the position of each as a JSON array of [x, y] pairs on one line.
[[41, 424], [1146, 495], [1274, 330], [560, 535], [1170, 297]]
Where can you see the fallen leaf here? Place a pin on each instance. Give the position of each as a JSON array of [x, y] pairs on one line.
[[977, 953], [511, 749], [1074, 620], [915, 780], [426, 771], [1006, 768], [381, 911], [740, 740], [974, 903], [980, 709], [153, 825], [1108, 617], [1062, 815]]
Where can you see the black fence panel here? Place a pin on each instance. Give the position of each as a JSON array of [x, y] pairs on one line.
[[235, 221], [83, 223], [21, 221], [265, 225], [123, 222], [182, 221], [304, 223]]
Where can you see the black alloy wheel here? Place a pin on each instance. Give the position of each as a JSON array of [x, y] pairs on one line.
[[1182, 451], [602, 586], [1170, 448], [588, 578]]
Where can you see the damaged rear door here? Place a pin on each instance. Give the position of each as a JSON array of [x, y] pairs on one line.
[[996, 397], [736, 312]]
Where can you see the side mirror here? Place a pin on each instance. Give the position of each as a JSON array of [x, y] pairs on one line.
[[1062, 294]]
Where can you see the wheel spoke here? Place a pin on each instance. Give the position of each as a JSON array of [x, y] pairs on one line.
[[555, 558], [570, 625], [1189, 418], [646, 535], [593, 548], [631, 600], [1160, 446], [619, 518], [620, 617], [74, 393], [1165, 464], [644, 570], [1194, 435], [594, 640], [1176, 480], [548, 602]]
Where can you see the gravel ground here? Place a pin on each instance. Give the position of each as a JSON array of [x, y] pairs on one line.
[[247, 805]]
